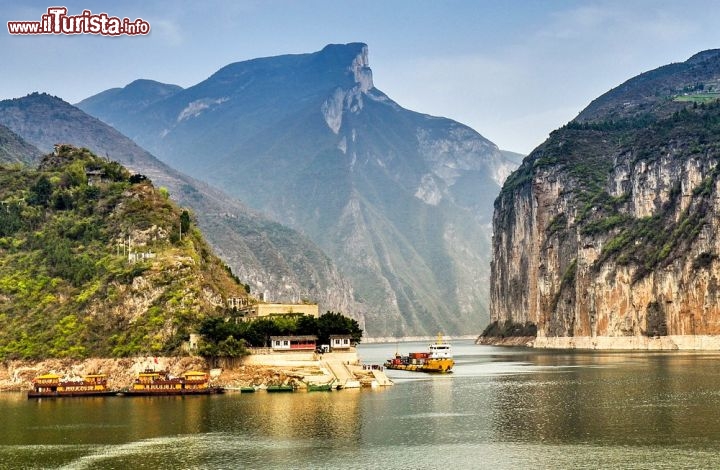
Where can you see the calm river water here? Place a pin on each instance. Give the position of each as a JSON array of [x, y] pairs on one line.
[[501, 408]]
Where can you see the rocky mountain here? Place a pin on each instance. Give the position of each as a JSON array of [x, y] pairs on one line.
[[13, 149], [402, 201], [273, 259], [608, 234], [92, 263]]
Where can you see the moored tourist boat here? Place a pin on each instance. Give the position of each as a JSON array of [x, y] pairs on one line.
[[51, 386], [438, 358], [152, 382]]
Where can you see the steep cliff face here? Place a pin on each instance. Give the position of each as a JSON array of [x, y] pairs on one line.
[[611, 228]]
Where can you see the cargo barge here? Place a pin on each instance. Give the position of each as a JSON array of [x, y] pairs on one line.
[[437, 359]]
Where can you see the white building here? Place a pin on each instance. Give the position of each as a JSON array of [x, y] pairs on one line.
[[340, 342], [287, 343]]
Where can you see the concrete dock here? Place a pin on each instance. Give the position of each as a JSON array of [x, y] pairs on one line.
[[342, 368]]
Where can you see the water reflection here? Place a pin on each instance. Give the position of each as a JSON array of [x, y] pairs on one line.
[[501, 408], [615, 399]]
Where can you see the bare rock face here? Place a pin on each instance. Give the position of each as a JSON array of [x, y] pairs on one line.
[[611, 228], [351, 99]]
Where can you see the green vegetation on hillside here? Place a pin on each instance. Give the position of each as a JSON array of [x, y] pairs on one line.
[[509, 329], [68, 284], [698, 97]]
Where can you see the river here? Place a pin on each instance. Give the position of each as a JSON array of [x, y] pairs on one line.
[[502, 408]]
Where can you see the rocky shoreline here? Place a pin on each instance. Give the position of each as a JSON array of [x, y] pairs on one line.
[[522, 341], [17, 375]]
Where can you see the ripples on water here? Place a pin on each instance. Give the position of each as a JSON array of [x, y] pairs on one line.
[[500, 409]]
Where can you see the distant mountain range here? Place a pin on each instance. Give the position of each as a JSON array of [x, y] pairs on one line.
[[401, 201], [271, 258]]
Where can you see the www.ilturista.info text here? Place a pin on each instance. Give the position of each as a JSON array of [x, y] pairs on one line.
[[57, 21]]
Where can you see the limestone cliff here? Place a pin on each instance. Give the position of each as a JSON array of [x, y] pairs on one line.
[[611, 228]]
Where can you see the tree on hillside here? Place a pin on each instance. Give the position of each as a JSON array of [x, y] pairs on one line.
[[184, 222], [259, 332], [40, 192], [331, 323], [307, 325]]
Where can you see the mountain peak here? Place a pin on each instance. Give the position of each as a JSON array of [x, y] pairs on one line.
[[349, 48], [37, 97], [135, 96], [355, 54], [336, 65], [144, 85], [655, 93], [710, 54]]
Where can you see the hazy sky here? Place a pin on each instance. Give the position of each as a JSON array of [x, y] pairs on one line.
[[512, 70]]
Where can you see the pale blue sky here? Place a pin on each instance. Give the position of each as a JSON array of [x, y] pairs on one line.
[[512, 70]]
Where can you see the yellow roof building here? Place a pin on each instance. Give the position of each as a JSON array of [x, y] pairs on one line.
[[261, 310]]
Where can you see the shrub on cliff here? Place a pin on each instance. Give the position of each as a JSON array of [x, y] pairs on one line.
[[508, 328]]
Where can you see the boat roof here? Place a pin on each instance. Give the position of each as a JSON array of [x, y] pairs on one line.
[[48, 376], [194, 372]]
